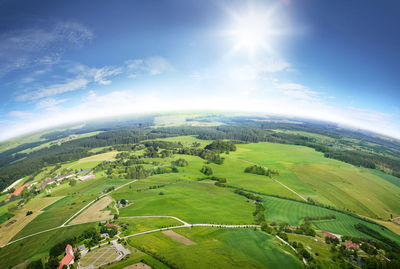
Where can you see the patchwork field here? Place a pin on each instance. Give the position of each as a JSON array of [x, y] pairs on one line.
[[20, 219], [293, 213], [37, 246], [326, 180]]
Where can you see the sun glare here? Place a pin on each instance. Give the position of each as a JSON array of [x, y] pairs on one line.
[[256, 29]]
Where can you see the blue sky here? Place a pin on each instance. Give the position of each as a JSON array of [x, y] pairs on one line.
[[66, 61]]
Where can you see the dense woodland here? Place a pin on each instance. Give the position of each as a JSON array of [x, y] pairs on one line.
[[370, 152]]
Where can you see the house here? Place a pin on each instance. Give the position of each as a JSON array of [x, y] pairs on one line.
[[105, 235], [61, 178], [18, 191], [87, 177], [109, 225], [46, 181], [350, 244], [329, 235], [68, 258]]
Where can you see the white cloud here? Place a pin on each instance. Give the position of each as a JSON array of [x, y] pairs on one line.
[[295, 90], [54, 89], [128, 102], [152, 66], [40, 46], [20, 114], [83, 77], [50, 104]]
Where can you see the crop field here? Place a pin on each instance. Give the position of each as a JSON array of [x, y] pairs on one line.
[[95, 212], [218, 248], [37, 246], [99, 256], [326, 180], [56, 215], [293, 213], [20, 219], [191, 201]]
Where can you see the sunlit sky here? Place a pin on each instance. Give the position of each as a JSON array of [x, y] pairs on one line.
[[67, 61]]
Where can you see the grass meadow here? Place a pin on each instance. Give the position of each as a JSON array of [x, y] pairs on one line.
[[218, 248]]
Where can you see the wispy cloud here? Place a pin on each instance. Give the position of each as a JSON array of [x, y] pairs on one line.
[[151, 66], [20, 114], [50, 104], [82, 77], [297, 91], [40, 46]]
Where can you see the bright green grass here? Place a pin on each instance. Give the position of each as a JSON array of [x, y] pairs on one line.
[[293, 213], [219, 248], [6, 216], [392, 179], [55, 203], [195, 202], [325, 180], [37, 247], [137, 225], [56, 215]]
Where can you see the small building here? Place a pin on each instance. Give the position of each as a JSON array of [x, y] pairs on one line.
[[350, 244], [87, 177], [18, 191], [105, 235], [68, 258], [329, 235]]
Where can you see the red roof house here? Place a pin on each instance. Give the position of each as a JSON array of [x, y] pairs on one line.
[[18, 191], [329, 235], [350, 244], [68, 258]]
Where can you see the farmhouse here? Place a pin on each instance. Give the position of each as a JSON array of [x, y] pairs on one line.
[[87, 177], [18, 191], [68, 258], [46, 181], [350, 244], [61, 178], [329, 235]]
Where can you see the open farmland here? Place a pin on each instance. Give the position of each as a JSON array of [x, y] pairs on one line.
[[218, 248], [20, 219], [95, 212], [325, 180], [192, 201]]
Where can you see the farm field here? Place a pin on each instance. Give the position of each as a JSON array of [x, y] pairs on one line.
[[37, 246], [293, 213], [310, 174], [95, 212], [218, 248], [191, 201], [20, 219], [187, 193], [55, 215]]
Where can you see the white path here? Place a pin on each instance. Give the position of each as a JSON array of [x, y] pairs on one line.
[[171, 217], [98, 198]]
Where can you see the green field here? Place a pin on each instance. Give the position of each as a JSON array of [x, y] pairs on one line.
[[293, 213], [37, 246], [56, 215], [191, 201], [326, 180], [218, 248]]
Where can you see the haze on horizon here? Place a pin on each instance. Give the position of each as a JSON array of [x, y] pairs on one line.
[[63, 62]]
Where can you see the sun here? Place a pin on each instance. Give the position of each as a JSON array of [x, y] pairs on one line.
[[256, 29]]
